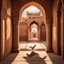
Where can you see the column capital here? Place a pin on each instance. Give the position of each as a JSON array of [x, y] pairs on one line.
[[62, 6], [49, 21]]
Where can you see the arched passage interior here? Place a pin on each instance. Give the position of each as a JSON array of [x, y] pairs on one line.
[[34, 31], [48, 26], [15, 44]]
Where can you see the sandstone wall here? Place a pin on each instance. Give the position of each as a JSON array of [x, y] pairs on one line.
[[6, 29]]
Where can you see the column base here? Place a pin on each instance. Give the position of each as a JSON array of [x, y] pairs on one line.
[[15, 51], [49, 51], [63, 58]]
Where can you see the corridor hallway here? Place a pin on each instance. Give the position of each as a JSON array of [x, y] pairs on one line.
[[47, 24], [42, 57]]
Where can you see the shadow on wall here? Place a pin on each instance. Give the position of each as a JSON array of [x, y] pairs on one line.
[[6, 31]]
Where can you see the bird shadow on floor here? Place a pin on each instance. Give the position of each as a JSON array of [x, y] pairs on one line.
[[34, 58]]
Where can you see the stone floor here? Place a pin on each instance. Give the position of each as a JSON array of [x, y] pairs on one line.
[[42, 57], [25, 45]]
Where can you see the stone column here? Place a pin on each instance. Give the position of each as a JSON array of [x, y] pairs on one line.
[[0, 32], [59, 32], [15, 35], [27, 34], [62, 32], [39, 33], [49, 37]]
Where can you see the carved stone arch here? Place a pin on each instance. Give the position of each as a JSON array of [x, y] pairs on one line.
[[33, 4], [34, 22]]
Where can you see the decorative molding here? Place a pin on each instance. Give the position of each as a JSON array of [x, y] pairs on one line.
[[23, 23]]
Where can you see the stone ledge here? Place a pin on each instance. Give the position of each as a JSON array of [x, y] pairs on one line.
[[15, 51]]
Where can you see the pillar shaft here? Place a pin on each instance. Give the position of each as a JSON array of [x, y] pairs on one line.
[[59, 32], [27, 34], [15, 35], [39, 34], [49, 37], [0, 30], [63, 31]]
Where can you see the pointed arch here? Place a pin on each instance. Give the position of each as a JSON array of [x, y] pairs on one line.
[[34, 23], [33, 4]]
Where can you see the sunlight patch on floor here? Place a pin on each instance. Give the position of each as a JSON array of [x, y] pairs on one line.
[[26, 45], [41, 58]]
